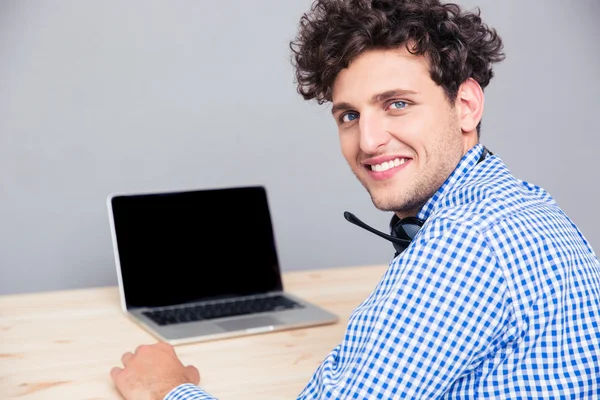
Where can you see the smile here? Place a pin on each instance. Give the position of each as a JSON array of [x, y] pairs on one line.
[[387, 165]]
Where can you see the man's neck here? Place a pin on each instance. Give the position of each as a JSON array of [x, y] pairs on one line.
[[409, 213]]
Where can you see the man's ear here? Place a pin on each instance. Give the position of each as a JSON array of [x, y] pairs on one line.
[[469, 105]]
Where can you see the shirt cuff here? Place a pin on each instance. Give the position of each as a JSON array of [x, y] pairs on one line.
[[187, 391]]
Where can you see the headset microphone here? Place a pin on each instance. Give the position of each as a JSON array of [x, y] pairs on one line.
[[403, 230]]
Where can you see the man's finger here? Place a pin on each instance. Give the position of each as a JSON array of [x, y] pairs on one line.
[[193, 374], [126, 358], [165, 346], [142, 348], [115, 372]]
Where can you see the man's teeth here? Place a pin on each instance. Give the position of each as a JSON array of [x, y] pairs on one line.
[[387, 165]]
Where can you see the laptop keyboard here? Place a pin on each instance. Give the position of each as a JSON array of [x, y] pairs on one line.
[[221, 310]]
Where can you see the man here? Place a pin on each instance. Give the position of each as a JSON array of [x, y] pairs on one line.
[[498, 294]]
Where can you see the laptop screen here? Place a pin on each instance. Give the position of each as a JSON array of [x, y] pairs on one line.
[[182, 247]]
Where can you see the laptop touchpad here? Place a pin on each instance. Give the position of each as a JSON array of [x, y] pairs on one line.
[[247, 323]]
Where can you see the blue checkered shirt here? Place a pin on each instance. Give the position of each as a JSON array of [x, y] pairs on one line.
[[498, 296]]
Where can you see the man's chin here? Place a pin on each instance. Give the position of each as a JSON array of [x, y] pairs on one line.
[[386, 199], [385, 203], [384, 195]]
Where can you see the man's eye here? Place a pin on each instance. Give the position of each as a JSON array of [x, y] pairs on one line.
[[348, 117], [398, 105]]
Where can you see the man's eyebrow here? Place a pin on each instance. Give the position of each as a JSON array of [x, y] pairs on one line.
[[341, 106], [377, 98], [390, 94]]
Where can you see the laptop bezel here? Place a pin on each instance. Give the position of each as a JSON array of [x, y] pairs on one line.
[[115, 245]]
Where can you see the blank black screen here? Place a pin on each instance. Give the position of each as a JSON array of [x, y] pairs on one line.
[[176, 248]]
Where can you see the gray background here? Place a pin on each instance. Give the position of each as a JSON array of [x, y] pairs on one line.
[[99, 97]]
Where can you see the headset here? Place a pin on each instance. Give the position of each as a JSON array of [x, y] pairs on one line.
[[402, 230]]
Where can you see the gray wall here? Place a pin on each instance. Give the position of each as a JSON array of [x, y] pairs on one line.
[[99, 97]]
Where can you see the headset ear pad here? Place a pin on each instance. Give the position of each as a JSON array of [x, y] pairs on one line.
[[406, 229]]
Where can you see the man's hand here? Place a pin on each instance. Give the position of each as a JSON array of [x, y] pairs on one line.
[[152, 372]]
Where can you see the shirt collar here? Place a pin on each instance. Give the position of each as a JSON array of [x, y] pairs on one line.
[[468, 161]]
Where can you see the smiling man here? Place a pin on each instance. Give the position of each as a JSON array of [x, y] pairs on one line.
[[497, 294], [398, 131]]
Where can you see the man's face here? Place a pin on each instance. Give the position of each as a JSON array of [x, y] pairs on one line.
[[398, 132]]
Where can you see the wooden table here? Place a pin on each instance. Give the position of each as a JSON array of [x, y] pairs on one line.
[[62, 345]]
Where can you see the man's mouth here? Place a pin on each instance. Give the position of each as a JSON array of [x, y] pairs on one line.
[[384, 166]]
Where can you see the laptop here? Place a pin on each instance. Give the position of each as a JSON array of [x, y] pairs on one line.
[[202, 265]]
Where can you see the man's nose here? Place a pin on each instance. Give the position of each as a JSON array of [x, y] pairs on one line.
[[373, 134]]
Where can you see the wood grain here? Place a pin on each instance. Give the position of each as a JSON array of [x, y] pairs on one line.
[[62, 345]]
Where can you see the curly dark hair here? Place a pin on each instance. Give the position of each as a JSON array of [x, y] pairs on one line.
[[457, 44]]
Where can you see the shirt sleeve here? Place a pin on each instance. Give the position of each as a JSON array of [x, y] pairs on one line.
[[441, 309], [188, 392]]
